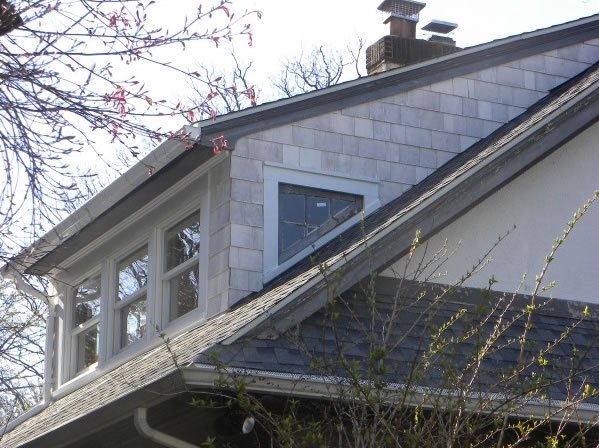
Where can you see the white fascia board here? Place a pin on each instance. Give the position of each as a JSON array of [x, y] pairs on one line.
[[331, 387], [406, 213]]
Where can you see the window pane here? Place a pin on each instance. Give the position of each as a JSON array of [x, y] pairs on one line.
[[290, 234], [183, 241], [87, 300], [338, 205], [318, 210], [133, 322], [87, 347], [183, 291], [306, 214], [292, 207], [133, 273]]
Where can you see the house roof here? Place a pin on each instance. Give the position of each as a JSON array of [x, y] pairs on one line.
[[129, 192], [464, 318], [298, 293]]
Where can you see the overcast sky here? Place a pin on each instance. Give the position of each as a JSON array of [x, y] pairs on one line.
[[288, 26]]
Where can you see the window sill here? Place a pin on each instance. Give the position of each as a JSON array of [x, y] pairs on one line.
[[174, 329]]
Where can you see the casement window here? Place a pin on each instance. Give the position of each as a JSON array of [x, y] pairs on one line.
[[181, 266], [306, 214], [131, 297], [85, 335]]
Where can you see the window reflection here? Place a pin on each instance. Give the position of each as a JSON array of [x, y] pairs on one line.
[[182, 245], [305, 214], [133, 273], [184, 292], [87, 347], [87, 300], [183, 241], [133, 279], [133, 322]]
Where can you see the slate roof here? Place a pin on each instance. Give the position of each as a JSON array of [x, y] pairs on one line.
[[467, 317], [140, 373]]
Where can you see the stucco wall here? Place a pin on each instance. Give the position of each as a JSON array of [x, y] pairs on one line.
[[539, 203], [396, 141]]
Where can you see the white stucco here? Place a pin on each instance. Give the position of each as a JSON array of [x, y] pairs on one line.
[[539, 202]]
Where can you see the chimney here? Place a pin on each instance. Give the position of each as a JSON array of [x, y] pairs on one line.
[[401, 47]]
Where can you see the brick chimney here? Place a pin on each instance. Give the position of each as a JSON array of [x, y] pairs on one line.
[[401, 47]]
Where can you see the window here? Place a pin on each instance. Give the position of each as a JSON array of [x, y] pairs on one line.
[[306, 214], [181, 266], [139, 279], [86, 323], [303, 209], [131, 297]]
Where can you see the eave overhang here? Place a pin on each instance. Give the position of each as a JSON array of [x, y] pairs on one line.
[[332, 388]]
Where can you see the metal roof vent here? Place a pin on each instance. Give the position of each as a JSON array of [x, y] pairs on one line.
[[405, 9], [403, 17], [439, 26], [401, 47]]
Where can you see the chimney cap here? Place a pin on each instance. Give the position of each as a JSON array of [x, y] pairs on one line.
[[439, 26], [405, 9]]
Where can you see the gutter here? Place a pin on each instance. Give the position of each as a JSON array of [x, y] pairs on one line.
[[9, 272], [333, 387]]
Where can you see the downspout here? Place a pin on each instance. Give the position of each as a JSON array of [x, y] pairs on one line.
[[145, 430], [49, 353]]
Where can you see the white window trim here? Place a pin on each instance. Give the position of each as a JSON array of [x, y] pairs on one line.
[[275, 174], [114, 307], [68, 365], [110, 353], [161, 308]]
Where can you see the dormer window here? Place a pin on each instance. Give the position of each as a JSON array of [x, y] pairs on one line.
[[306, 214], [182, 268], [132, 297], [86, 323], [139, 280], [304, 209]]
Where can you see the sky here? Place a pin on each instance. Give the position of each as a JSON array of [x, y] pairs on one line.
[[287, 26]]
